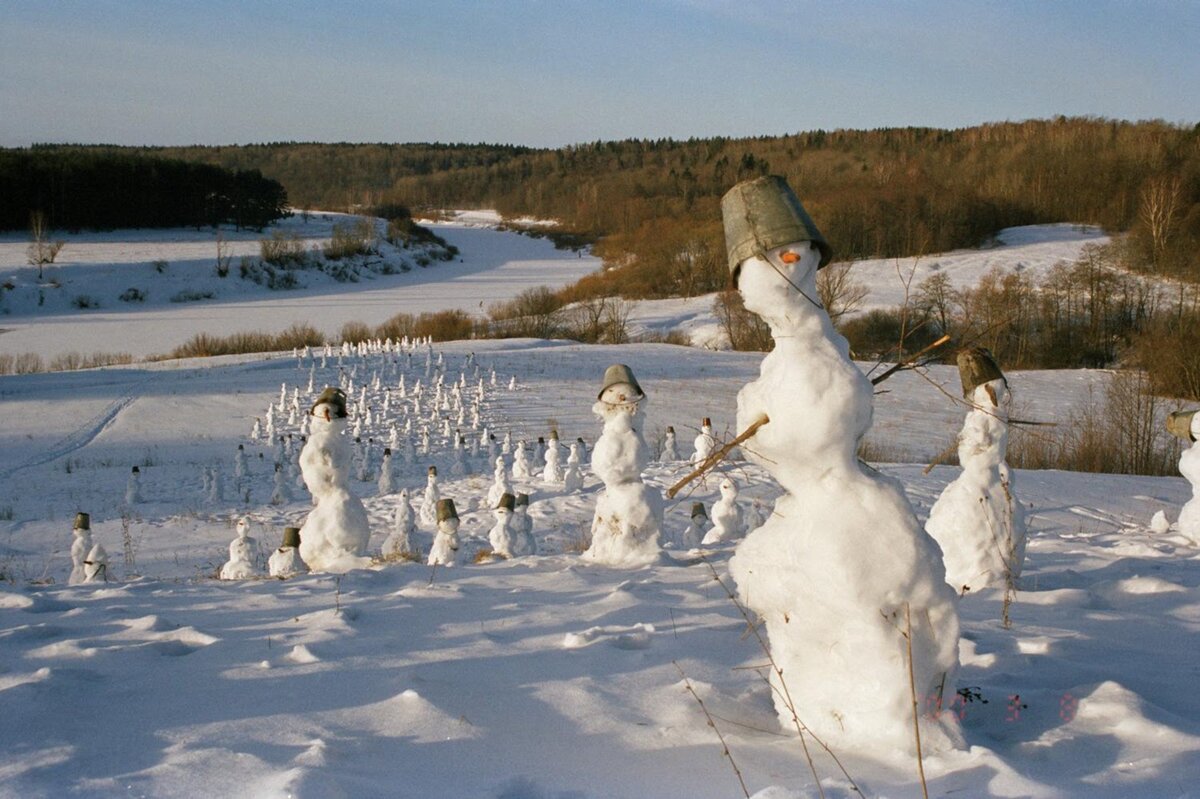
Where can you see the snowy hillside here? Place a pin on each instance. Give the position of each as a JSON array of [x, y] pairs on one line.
[[185, 296], [540, 676], [1033, 250]]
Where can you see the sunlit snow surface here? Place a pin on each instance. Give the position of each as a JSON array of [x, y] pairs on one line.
[[541, 677]]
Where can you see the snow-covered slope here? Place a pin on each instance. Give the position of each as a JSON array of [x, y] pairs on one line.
[[1033, 250], [492, 266], [534, 677]]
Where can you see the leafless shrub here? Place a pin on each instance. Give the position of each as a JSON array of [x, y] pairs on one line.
[[1124, 434], [745, 330], [203, 345]]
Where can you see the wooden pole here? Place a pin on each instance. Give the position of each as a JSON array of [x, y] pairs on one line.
[[718, 456]]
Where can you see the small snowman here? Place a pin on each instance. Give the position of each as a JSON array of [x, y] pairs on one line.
[[628, 518], [552, 472], [501, 536], [444, 551], [522, 521], [429, 504], [286, 561], [81, 546], [240, 565], [399, 541], [521, 469], [726, 515], [280, 494], [500, 483], [572, 475], [670, 450], [694, 534], [705, 443], [386, 473], [133, 488], [522, 525], [1186, 425], [240, 470]]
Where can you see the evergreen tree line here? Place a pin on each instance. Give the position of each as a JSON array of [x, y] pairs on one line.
[[75, 188]]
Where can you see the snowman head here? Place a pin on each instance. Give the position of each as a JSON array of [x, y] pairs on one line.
[[762, 215], [330, 405], [620, 387], [779, 277], [243, 527], [728, 488]]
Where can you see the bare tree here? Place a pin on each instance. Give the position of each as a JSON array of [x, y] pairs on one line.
[[839, 293], [41, 250], [1159, 205]]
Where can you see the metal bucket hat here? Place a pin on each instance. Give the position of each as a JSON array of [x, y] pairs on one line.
[[334, 398], [698, 510], [522, 500], [976, 366], [82, 522], [620, 373], [507, 501], [1179, 424], [762, 214], [291, 537], [445, 510]]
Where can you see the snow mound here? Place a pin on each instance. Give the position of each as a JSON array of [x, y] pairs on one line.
[[636, 636]]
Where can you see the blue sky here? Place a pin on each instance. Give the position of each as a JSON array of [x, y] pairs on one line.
[[556, 72]]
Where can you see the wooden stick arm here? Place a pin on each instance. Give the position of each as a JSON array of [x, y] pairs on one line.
[[910, 359], [718, 456]]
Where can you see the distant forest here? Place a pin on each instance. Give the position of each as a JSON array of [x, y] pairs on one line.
[[75, 188], [653, 205]]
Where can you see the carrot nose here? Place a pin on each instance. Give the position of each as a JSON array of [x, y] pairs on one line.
[[789, 257]]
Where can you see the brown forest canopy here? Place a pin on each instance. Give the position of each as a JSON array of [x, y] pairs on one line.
[[887, 192]]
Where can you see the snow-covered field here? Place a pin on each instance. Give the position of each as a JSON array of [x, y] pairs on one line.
[[536, 677], [539, 677]]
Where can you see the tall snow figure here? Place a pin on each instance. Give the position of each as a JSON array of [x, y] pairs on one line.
[[1186, 425], [444, 551], [81, 545], [625, 529], [842, 567], [335, 534], [976, 520], [133, 488]]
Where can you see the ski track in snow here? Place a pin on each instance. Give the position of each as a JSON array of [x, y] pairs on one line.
[[83, 435]]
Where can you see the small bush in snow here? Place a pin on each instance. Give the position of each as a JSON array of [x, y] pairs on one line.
[[160, 266], [351, 239], [132, 295], [192, 296], [285, 250], [85, 301]]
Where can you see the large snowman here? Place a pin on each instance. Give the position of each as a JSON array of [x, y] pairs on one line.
[[335, 534], [977, 521], [1186, 425], [842, 571], [628, 520]]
